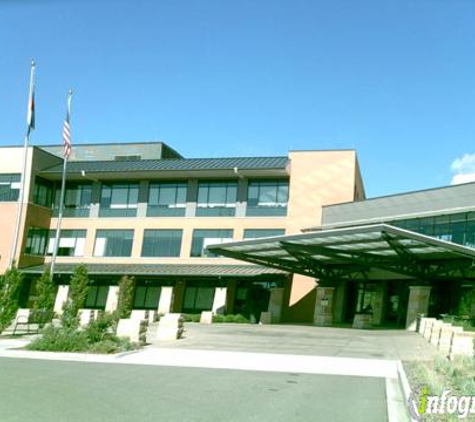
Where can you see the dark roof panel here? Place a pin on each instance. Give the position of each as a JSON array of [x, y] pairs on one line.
[[242, 163]]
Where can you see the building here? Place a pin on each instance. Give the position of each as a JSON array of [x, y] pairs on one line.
[[142, 210], [382, 261]]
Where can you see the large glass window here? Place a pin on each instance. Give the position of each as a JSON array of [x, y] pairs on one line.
[[113, 243], [36, 241], [146, 297], [166, 200], [119, 200], [77, 200], [216, 199], [198, 299], [267, 197], [203, 238], [43, 192], [162, 243], [257, 233], [71, 242], [96, 297], [9, 187]]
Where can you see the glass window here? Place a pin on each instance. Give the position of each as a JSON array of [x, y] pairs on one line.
[[77, 200], [216, 199], [96, 297], [257, 233], [71, 242], [166, 200], [113, 243], [267, 197], [162, 243], [43, 192], [203, 238], [146, 297], [36, 241], [119, 200], [9, 187], [198, 299]]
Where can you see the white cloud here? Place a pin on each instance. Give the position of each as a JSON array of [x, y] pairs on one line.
[[463, 169]]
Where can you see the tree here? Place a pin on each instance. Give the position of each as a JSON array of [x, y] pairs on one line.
[[10, 286], [78, 287], [126, 296], [46, 294]]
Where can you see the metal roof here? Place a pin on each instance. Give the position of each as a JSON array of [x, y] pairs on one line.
[[189, 270], [355, 252], [171, 164]]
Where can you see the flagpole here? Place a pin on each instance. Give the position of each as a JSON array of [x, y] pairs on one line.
[[31, 125]]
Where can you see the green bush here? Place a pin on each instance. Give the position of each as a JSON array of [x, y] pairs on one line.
[[229, 318], [102, 328], [126, 296], [46, 294], [240, 319], [219, 318], [10, 285], [191, 317], [77, 297], [59, 339]]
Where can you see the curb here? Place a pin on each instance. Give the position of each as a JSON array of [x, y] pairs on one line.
[[405, 388]]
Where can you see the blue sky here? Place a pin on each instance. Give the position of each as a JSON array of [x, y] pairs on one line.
[[394, 79]]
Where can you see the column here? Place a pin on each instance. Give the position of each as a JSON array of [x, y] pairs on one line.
[[378, 304], [472, 304], [339, 302], [219, 301], [241, 198], [276, 302], [112, 299], [191, 198], [61, 298], [418, 304], [143, 199], [165, 301], [230, 296], [95, 200], [323, 316], [178, 295]]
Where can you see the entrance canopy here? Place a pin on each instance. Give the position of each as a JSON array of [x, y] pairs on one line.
[[361, 252]]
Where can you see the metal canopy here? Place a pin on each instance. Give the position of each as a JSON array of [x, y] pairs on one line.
[[356, 252]]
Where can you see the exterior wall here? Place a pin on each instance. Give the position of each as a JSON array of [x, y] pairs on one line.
[[317, 178]]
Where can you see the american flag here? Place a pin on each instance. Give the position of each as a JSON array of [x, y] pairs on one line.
[[66, 131]]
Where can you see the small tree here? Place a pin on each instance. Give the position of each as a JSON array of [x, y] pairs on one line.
[[126, 296], [10, 285], [46, 294], [76, 298]]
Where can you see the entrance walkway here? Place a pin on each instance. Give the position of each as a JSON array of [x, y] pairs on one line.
[[302, 340]]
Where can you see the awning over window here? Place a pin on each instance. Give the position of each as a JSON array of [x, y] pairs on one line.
[[368, 252]]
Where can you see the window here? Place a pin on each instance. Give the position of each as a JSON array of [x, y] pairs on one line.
[[77, 200], [162, 243], [71, 242], [9, 187], [119, 200], [257, 233], [113, 243], [267, 197], [216, 199], [43, 193], [203, 238], [166, 200], [146, 297], [198, 299], [96, 297], [36, 241]]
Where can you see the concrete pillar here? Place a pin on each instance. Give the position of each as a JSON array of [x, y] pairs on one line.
[[219, 302], [143, 199], [378, 304], [276, 302], [191, 198], [112, 299], [241, 198], [95, 200], [61, 298], [418, 304], [230, 296], [339, 302], [324, 304], [178, 295], [165, 301]]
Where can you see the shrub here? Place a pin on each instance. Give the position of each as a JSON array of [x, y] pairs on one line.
[[10, 285], [229, 318], [126, 296], [76, 298], [191, 317], [60, 339], [219, 318], [102, 328], [46, 293], [240, 319]]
